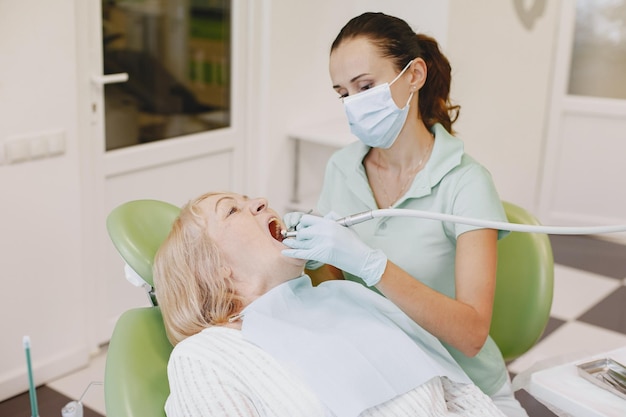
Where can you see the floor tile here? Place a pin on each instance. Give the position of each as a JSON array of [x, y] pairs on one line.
[[533, 407], [551, 327], [576, 291], [49, 403], [610, 313], [590, 254], [553, 324], [571, 341]]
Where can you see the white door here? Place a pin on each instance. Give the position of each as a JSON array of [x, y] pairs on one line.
[[162, 115], [584, 172]]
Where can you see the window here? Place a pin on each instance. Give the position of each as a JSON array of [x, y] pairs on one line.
[[598, 65], [177, 57]]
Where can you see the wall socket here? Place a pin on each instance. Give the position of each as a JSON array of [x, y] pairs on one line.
[[32, 147]]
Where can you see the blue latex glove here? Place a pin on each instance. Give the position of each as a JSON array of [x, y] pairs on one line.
[[291, 220], [324, 240]]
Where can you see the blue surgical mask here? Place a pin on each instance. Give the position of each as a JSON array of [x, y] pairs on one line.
[[373, 115]]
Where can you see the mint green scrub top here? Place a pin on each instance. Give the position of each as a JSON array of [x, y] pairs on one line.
[[452, 183]]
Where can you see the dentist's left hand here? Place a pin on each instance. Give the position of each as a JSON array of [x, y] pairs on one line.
[[291, 220], [324, 240]]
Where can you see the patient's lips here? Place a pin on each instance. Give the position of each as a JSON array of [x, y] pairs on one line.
[[275, 229]]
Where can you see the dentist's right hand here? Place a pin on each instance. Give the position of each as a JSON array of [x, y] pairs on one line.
[[324, 240]]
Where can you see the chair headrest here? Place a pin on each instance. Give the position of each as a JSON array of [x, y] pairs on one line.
[[137, 229]]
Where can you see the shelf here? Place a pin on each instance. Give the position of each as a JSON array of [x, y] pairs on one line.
[[333, 133]]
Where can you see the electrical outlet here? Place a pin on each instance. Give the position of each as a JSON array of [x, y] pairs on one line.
[[38, 147], [16, 151], [33, 146], [56, 143]]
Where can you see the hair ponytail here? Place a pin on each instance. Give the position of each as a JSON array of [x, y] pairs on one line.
[[434, 101]]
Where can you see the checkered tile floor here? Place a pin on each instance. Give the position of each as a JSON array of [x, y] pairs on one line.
[[589, 308]]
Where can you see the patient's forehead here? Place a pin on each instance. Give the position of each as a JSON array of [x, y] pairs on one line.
[[211, 202]]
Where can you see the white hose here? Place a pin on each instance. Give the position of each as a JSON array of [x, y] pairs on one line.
[[513, 227]]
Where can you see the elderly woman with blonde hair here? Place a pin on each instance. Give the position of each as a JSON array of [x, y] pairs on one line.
[[254, 337]]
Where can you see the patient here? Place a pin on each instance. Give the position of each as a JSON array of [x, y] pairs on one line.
[[253, 337]]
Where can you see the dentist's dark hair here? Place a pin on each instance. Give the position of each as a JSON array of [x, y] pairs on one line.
[[396, 40]]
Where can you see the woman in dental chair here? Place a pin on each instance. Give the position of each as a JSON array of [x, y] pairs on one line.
[[253, 337]]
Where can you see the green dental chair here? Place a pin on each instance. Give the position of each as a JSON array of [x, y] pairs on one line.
[[135, 382], [524, 287], [135, 378]]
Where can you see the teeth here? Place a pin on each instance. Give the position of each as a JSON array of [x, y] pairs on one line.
[[275, 230]]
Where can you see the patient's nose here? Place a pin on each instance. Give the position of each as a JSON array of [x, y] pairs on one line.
[[258, 205]]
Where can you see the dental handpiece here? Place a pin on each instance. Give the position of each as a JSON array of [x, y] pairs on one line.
[[513, 227], [347, 221]]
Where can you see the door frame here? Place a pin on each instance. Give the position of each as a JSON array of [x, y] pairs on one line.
[[98, 165], [563, 107]]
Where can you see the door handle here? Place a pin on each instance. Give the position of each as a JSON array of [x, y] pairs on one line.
[[101, 80]]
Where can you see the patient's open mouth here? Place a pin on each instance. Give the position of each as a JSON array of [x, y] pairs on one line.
[[275, 229]]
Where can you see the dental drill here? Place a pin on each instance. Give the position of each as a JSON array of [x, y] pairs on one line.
[[513, 227]]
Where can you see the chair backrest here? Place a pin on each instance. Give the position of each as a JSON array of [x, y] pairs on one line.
[[524, 287], [135, 378]]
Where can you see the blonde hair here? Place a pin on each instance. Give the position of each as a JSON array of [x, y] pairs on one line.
[[191, 287]]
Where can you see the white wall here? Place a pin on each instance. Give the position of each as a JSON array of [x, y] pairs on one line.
[[297, 89], [501, 78], [41, 288], [45, 292]]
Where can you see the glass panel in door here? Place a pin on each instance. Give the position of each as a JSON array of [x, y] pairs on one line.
[[598, 66], [177, 57]]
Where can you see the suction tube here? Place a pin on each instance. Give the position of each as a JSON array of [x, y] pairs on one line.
[[357, 218]]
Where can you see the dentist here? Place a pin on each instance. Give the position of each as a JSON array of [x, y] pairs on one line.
[[395, 87]]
